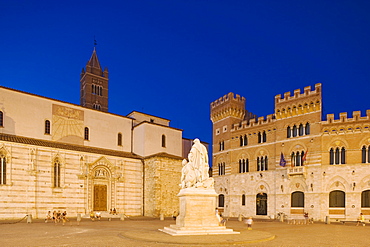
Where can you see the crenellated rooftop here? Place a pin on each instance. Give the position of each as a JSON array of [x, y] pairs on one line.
[[227, 98], [297, 94], [261, 121], [343, 117]]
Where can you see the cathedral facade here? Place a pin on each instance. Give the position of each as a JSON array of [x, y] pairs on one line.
[[55, 155], [292, 161]]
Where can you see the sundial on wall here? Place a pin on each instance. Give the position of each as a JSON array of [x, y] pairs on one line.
[[68, 124]]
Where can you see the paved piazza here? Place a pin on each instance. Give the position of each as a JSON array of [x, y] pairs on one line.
[[144, 232]]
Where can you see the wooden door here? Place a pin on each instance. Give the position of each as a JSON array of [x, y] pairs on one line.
[[100, 197]]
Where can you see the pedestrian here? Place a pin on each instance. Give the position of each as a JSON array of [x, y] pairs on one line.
[[55, 216], [48, 217], [98, 215], [249, 223], [59, 216], [361, 219], [92, 216], [64, 217], [174, 215], [306, 221]]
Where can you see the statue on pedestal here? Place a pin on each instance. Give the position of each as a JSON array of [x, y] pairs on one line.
[[195, 169]]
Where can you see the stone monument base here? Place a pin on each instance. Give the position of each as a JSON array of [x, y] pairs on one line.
[[197, 214]]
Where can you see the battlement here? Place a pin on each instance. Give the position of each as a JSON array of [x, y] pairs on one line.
[[343, 117], [253, 122], [227, 98], [228, 106], [297, 94]]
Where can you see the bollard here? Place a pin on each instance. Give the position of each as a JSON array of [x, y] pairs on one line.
[[122, 217], [161, 217], [78, 219], [29, 218], [240, 218], [327, 220]]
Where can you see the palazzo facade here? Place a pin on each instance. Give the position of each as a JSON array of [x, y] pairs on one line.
[[292, 161], [55, 155]]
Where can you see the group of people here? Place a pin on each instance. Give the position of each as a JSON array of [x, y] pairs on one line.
[[56, 217]]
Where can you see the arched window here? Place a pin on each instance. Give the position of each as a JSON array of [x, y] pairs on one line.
[[247, 165], [337, 199], [56, 173], [258, 164], [294, 131], [297, 199], [93, 89], [163, 141], [331, 153], [262, 164], [259, 137], [337, 156], [307, 129], [293, 159], [365, 199], [264, 136], [2, 169], [243, 200], [221, 168], [241, 141], [266, 163], [343, 156], [298, 159], [86, 136], [221, 200], [302, 157], [245, 140], [1, 119], [47, 127], [288, 132], [364, 154], [301, 130], [119, 139], [222, 145]]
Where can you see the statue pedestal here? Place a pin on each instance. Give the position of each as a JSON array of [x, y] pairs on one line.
[[197, 214]]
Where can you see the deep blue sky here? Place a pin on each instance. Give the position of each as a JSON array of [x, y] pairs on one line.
[[172, 58]]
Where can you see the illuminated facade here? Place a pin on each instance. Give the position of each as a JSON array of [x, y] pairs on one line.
[[59, 156], [291, 161]]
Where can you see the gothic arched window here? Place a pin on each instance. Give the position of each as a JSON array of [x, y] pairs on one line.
[[56, 173], [119, 139], [86, 135], [2, 169], [47, 127], [163, 141]]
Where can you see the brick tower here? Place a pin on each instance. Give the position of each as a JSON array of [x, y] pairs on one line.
[[94, 85]]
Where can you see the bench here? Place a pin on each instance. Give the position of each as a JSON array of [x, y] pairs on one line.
[[351, 221]]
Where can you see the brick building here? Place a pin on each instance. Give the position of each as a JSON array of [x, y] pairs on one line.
[[292, 161]]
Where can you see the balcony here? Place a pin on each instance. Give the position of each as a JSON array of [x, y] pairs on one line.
[[297, 170]]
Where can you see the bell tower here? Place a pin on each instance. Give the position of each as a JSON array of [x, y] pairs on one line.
[[94, 85]]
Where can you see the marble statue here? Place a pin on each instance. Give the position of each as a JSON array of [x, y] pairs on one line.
[[195, 169]]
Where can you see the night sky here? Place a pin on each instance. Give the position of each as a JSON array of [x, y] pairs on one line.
[[172, 58]]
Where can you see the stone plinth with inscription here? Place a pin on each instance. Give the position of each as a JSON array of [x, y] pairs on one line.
[[197, 198]]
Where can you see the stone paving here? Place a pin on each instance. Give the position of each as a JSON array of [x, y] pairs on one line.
[[143, 231]]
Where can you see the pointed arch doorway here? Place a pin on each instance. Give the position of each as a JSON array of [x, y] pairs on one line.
[[261, 204]]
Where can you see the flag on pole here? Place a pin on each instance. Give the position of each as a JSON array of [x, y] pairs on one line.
[[282, 160], [304, 156]]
